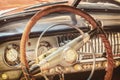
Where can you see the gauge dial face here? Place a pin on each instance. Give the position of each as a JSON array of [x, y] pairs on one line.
[[11, 55], [43, 47]]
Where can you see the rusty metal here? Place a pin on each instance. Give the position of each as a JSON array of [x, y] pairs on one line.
[[61, 8]]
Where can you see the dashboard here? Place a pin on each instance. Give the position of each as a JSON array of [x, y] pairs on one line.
[[11, 31], [10, 59]]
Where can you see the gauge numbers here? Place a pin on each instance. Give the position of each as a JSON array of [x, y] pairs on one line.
[[11, 55]]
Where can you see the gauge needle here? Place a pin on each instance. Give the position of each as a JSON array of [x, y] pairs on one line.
[[12, 52]]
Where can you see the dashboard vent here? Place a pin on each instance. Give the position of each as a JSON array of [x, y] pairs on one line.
[[114, 38]]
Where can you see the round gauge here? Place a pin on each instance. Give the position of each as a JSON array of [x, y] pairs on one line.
[[44, 47], [11, 55]]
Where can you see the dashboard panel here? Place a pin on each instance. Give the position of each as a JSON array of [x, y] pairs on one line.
[[48, 42]]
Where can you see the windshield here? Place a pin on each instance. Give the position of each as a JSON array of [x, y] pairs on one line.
[[13, 6], [5, 4]]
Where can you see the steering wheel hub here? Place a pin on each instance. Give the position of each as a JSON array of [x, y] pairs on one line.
[[69, 56]]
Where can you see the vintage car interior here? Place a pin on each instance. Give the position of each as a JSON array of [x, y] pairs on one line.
[[57, 41]]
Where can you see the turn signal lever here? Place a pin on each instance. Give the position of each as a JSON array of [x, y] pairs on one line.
[[54, 59]]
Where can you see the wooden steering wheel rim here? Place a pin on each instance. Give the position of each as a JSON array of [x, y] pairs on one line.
[[61, 8]]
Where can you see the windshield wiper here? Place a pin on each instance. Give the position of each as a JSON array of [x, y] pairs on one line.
[[44, 4], [6, 11]]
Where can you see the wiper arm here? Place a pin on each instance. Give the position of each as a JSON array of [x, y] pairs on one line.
[[44, 4], [6, 11]]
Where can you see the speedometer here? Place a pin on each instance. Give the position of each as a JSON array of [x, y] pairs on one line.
[[44, 47], [11, 55]]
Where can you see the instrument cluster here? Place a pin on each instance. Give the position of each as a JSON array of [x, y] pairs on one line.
[[11, 50]]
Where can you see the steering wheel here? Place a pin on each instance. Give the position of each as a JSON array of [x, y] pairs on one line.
[[61, 8]]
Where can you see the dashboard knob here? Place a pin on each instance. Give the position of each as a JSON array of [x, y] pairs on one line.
[[84, 66], [4, 76], [67, 69], [105, 64], [52, 71], [45, 72], [99, 64], [77, 67], [117, 63], [89, 66]]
